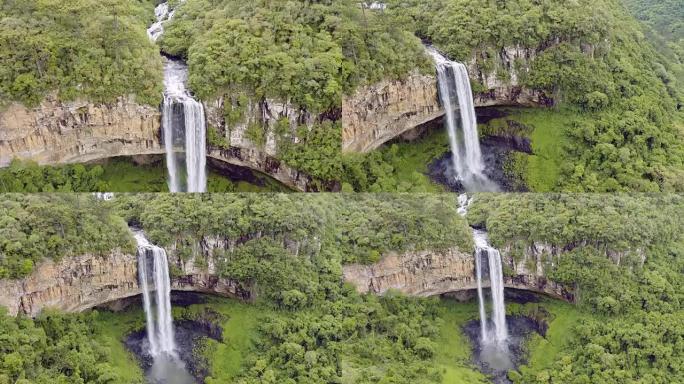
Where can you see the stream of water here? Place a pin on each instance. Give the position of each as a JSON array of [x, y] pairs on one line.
[[456, 97], [183, 120], [155, 283]]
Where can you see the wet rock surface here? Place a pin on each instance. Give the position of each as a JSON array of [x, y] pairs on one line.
[[495, 152], [189, 334], [496, 361]]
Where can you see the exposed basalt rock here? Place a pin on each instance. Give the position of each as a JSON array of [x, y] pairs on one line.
[[70, 132], [380, 112], [243, 151], [429, 273], [77, 132], [78, 283], [377, 113], [258, 160], [424, 273]]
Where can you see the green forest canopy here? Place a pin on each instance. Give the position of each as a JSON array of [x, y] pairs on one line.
[[306, 52], [92, 49], [320, 330]]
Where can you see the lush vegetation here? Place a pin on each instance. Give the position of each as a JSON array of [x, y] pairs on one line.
[[116, 175], [623, 257], [591, 58], [665, 18], [81, 49], [35, 227], [615, 222], [54, 348], [305, 52], [361, 226]]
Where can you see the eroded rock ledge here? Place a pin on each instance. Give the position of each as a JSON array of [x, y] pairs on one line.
[[78, 283], [429, 273], [380, 112], [78, 131]]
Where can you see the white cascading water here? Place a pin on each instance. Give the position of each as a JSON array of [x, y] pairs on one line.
[[181, 110], [480, 298], [177, 101], [153, 273], [483, 249], [454, 87], [157, 29]]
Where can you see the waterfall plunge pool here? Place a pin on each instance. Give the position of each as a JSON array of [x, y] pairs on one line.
[[497, 359], [186, 368]]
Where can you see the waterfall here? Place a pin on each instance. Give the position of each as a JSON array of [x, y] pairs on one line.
[[183, 119], [162, 15], [153, 273], [183, 124], [480, 298], [483, 249], [455, 92]]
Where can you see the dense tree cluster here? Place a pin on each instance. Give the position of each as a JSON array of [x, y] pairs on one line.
[[357, 228], [624, 258], [27, 176], [305, 52], [53, 348], [589, 55], [612, 221], [35, 227], [347, 337], [91, 49]]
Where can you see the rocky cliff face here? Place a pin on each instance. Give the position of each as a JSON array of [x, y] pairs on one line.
[[79, 131], [430, 273], [380, 112], [268, 116], [422, 273], [78, 283]]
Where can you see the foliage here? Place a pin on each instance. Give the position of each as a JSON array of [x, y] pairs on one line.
[[34, 227], [588, 56], [117, 175], [53, 348], [622, 257], [352, 227], [615, 222], [82, 49], [305, 52], [27, 176]]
